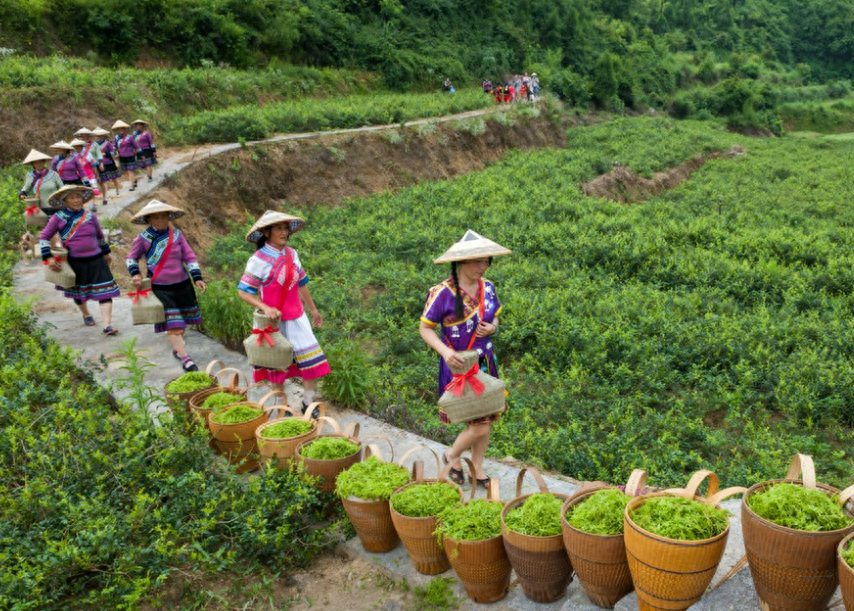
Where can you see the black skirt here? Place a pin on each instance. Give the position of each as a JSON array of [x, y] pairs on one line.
[[180, 304], [94, 279]]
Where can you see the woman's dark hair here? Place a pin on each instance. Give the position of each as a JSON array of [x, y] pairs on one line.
[[459, 310], [260, 243]]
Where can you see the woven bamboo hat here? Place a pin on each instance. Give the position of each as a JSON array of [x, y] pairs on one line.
[[62, 145], [78, 142], [472, 246], [83, 131], [139, 121], [270, 218], [35, 155], [100, 131], [57, 200], [153, 207], [120, 124]]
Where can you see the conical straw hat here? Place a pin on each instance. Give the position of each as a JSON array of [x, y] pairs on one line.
[[139, 121], [153, 207], [272, 217], [100, 131], [62, 145], [472, 246], [118, 124], [57, 200], [78, 142], [35, 155], [83, 131]]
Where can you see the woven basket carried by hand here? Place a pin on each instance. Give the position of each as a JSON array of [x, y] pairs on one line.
[[793, 570], [600, 561], [669, 573], [34, 216], [267, 347], [468, 405], [417, 533], [541, 563], [846, 574], [482, 566], [65, 277], [146, 308]]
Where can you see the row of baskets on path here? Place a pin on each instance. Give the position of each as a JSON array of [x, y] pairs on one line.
[[793, 570]]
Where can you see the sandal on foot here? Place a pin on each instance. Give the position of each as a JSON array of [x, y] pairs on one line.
[[455, 475], [481, 481], [175, 354], [187, 363], [110, 331], [88, 321]]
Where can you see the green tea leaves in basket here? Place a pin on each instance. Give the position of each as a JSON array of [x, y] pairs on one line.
[[287, 428], [679, 518], [237, 415], [329, 448], [425, 500], [190, 382], [476, 521], [218, 400], [371, 480], [794, 506], [848, 555], [599, 514], [538, 516]]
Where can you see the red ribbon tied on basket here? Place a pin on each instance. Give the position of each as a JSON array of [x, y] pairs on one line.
[[31, 210], [137, 294], [458, 383], [265, 334], [58, 260]]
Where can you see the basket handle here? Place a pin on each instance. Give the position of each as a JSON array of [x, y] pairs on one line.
[[273, 393], [846, 495], [321, 410], [374, 450], [233, 381], [544, 487], [285, 409], [472, 475], [352, 431], [415, 449], [636, 482], [209, 369], [802, 464], [690, 489], [418, 471], [331, 422], [718, 498], [494, 492], [381, 438]]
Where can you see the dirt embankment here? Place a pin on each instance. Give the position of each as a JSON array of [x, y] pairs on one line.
[[234, 186], [624, 186]]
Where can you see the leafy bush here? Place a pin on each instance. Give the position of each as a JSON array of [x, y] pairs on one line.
[[350, 378], [679, 518], [538, 516], [799, 508]]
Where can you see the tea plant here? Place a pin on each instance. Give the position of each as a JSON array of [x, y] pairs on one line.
[[474, 521], [796, 507], [425, 500], [190, 382], [287, 428], [329, 448], [237, 414], [436, 595], [538, 516], [679, 518], [599, 514], [350, 379], [371, 480], [848, 555], [218, 400]]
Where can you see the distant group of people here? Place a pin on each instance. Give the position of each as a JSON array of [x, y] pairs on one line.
[[520, 88]]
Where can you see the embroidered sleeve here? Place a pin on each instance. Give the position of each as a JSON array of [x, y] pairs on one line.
[[103, 244], [301, 275], [435, 309], [28, 183], [137, 249], [47, 233], [257, 271], [189, 258]]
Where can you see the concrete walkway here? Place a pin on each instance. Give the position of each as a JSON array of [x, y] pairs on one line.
[[62, 316]]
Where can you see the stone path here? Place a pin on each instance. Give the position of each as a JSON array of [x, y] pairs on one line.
[[737, 594]]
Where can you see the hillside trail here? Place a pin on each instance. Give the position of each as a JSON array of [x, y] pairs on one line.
[[66, 326]]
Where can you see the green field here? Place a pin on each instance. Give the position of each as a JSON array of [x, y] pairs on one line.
[[625, 326]]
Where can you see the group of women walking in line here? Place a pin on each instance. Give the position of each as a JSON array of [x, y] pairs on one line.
[[464, 307], [518, 89]]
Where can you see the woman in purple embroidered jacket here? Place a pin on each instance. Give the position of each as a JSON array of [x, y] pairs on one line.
[[146, 156], [276, 284], [172, 266], [88, 253], [126, 147], [109, 170], [467, 308], [68, 165]]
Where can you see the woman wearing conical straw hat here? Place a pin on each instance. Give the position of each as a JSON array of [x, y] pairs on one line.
[[126, 147], [173, 269], [78, 145], [92, 155], [41, 183], [88, 253], [465, 307], [147, 155], [110, 172], [68, 165], [276, 284]]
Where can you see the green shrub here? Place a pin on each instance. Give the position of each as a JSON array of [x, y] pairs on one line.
[[538, 516], [599, 514], [329, 448], [371, 480], [350, 378], [799, 508], [679, 518], [425, 500]]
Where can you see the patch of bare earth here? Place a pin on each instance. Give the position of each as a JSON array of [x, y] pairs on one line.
[[624, 186]]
